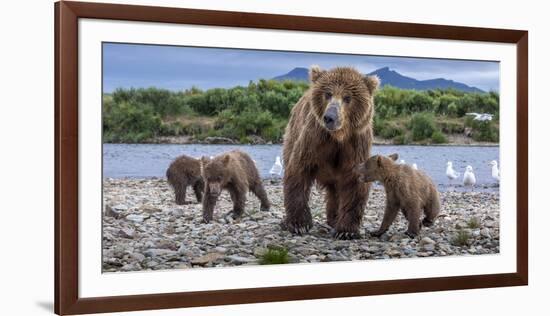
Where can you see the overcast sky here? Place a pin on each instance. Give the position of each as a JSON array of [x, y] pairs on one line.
[[177, 68]]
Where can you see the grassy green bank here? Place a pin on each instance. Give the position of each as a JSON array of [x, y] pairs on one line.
[[259, 112]]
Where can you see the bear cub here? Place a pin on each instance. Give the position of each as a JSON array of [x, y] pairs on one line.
[[185, 171], [235, 172], [408, 190]]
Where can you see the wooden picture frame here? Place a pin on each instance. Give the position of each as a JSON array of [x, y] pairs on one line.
[[67, 14]]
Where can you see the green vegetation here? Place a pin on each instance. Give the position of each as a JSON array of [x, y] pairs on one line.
[[474, 223], [462, 238], [274, 255], [261, 110]]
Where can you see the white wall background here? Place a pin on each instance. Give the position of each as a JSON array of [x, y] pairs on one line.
[[26, 163]]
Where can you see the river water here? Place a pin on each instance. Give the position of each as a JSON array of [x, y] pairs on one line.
[[151, 160]]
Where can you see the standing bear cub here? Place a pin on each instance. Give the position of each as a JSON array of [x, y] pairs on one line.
[[185, 171], [408, 190], [236, 172], [329, 132]]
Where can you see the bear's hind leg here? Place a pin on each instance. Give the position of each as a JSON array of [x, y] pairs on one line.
[[331, 205], [296, 191], [259, 191], [180, 189], [238, 196], [198, 187], [413, 216]]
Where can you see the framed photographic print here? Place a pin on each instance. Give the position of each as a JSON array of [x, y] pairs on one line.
[[211, 157]]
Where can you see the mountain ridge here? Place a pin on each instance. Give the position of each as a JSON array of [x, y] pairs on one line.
[[391, 77]]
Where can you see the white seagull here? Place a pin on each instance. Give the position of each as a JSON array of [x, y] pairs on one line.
[[414, 166], [481, 116], [401, 162], [451, 173], [494, 170], [469, 177], [277, 168]]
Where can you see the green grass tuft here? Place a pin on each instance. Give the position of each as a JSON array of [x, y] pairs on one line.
[[474, 223], [462, 238], [275, 255]]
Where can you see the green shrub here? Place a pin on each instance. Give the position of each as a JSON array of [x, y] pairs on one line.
[[485, 131], [274, 255], [422, 126], [378, 125], [401, 140], [391, 131], [129, 122], [439, 138], [474, 223], [451, 127], [462, 238]]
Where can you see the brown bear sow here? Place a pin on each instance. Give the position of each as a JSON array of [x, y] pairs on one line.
[[328, 134], [236, 172], [185, 171], [408, 190]]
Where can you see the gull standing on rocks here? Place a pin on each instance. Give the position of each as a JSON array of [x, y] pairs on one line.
[[494, 170], [414, 166], [277, 168], [469, 177], [451, 173]]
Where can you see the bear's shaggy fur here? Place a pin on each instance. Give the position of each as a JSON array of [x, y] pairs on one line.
[[328, 134], [185, 171], [408, 190], [236, 172]]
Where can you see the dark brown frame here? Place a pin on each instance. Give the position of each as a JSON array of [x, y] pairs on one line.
[[67, 14]]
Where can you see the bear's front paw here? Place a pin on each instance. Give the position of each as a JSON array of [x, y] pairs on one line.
[[233, 214], [206, 220], [427, 222], [264, 208], [411, 235], [377, 233], [296, 228], [345, 235]]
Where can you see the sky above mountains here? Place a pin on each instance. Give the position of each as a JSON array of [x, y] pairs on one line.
[[177, 68]]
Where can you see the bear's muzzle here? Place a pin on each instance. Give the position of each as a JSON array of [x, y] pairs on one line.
[[331, 118]]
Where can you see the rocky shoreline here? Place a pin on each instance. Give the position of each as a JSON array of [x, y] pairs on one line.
[[143, 229]]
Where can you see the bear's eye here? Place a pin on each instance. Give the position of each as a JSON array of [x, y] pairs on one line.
[[328, 95], [347, 99]]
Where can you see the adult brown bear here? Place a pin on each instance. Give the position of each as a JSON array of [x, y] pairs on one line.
[[328, 134]]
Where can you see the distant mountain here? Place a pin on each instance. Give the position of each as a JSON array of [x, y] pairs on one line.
[[393, 78], [298, 74]]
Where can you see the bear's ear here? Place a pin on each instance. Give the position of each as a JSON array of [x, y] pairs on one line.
[[226, 159], [372, 83], [394, 156], [315, 73], [379, 161]]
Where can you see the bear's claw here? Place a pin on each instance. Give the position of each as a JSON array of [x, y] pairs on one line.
[[345, 235], [296, 229]]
